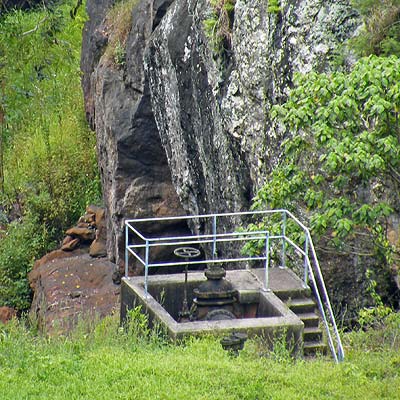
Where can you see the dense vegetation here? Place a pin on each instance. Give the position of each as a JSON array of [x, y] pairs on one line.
[[346, 152], [340, 165], [138, 364], [48, 170]]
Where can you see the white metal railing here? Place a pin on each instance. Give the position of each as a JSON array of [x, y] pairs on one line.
[[141, 246]]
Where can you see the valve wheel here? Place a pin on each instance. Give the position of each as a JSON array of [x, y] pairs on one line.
[[187, 252]]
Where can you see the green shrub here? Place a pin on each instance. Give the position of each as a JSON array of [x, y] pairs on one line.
[[18, 250], [340, 164], [49, 154], [218, 26], [379, 331], [374, 317], [380, 34], [119, 23]]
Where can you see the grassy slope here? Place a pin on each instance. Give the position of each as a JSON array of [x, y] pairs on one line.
[[109, 364]]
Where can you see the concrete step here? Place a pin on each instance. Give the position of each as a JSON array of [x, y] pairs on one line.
[[301, 305], [309, 319], [314, 348], [294, 293], [312, 334]]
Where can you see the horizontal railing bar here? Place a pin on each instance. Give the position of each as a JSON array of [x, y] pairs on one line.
[[224, 260], [206, 236], [206, 216], [142, 246]]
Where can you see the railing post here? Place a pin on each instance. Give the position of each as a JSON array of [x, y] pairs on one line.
[[266, 267], [283, 260], [340, 353], [306, 261], [340, 356], [126, 249], [146, 267], [214, 230]]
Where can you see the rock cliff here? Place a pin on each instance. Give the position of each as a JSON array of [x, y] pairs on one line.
[[183, 128], [175, 118], [212, 112], [135, 176]]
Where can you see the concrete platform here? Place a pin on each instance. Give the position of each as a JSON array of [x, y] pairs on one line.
[[165, 292], [283, 282]]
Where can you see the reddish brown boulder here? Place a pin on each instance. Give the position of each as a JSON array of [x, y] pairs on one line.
[[51, 258], [66, 240], [84, 234], [68, 284], [98, 248], [7, 314], [97, 211], [70, 289], [71, 245]]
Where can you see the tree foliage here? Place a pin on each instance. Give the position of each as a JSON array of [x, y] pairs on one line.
[[341, 163]]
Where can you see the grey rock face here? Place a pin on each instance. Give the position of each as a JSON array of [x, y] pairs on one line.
[[209, 170], [213, 120], [212, 117], [268, 49], [135, 176], [93, 44], [212, 112]]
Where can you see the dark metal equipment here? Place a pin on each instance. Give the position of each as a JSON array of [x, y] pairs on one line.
[[234, 342], [215, 298], [186, 253]]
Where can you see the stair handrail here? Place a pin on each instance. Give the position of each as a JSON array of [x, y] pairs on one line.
[[339, 355]]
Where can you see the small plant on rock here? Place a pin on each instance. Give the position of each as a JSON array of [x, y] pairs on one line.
[[218, 26], [380, 34], [274, 6], [119, 54], [119, 23]]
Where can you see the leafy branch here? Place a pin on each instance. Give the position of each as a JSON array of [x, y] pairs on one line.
[[342, 151]]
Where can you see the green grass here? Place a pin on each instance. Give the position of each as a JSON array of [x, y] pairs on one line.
[[109, 363]]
